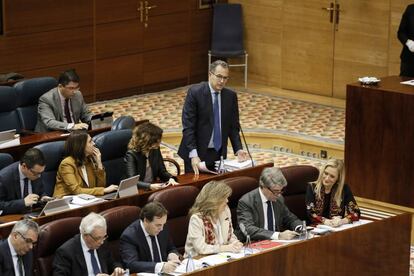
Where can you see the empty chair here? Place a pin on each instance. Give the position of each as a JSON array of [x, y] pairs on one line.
[[227, 35], [9, 118], [117, 219], [123, 122], [54, 153], [298, 177], [113, 146], [177, 201], [5, 160], [51, 236], [28, 93], [240, 185]]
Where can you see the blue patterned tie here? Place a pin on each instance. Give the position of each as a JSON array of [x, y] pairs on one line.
[[94, 262], [217, 131], [270, 216]]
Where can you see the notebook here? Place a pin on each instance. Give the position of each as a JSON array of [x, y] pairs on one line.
[[52, 207], [127, 187]]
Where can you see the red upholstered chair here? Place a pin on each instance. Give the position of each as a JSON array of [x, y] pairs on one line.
[[117, 219], [51, 236], [178, 201], [240, 185], [298, 177]]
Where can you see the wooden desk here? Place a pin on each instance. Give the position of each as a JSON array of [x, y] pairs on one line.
[[137, 200], [378, 248], [379, 141], [31, 140]]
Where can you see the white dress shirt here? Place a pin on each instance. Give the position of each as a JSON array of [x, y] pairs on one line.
[[158, 266], [87, 257]]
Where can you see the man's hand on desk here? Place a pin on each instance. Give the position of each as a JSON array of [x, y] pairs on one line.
[[80, 126], [46, 198], [287, 235], [31, 199], [170, 266], [242, 155], [194, 163]]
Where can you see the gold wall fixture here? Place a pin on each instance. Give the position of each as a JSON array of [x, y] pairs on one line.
[[143, 8]]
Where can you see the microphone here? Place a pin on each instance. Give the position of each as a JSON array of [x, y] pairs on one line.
[[247, 147]]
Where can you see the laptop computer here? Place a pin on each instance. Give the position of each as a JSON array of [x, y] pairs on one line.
[[101, 120], [52, 207], [7, 135], [127, 187]]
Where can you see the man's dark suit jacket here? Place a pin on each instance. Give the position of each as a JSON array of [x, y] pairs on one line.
[[135, 252], [6, 261], [11, 201], [135, 163], [198, 121], [250, 213], [69, 259], [405, 32]]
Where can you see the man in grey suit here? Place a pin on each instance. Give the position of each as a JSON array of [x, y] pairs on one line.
[[63, 107], [263, 211]]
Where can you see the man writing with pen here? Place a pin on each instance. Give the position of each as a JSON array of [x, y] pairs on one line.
[[63, 107]]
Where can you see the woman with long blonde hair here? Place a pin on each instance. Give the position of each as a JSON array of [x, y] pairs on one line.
[[210, 229], [329, 200]]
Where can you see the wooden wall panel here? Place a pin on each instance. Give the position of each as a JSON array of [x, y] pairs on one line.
[[199, 62], [46, 49], [118, 74], [168, 7], [28, 16], [111, 11], [361, 42], [119, 38], [85, 70], [263, 39], [166, 64], [158, 36]]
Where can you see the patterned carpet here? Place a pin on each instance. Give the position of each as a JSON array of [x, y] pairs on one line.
[[258, 113]]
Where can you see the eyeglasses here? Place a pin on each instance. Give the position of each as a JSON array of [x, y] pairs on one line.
[[98, 239], [276, 193], [220, 77], [27, 240], [35, 173]]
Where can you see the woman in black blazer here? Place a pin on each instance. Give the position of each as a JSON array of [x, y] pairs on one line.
[[144, 158]]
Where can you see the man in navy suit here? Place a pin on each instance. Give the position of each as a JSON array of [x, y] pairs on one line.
[[145, 245], [16, 256], [21, 185], [210, 117], [86, 253]]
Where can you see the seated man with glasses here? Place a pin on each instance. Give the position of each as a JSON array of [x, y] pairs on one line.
[[16, 256], [263, 211], [63, 107], [21, 185], [86, 253]]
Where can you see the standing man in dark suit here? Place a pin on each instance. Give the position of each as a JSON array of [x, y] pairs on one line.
[[21, 185], [210, 117], [406, 37], [63, 107], [263, 211], [86, 253], [16, 256], [146, 246]]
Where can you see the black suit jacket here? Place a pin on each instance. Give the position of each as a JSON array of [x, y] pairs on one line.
[[6, 261], [69, 259], [135, 252], [11, 201], [198, 121], [406, 31], [135, 163]]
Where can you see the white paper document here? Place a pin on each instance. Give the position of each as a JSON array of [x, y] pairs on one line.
[[409, 82], [344, 226]]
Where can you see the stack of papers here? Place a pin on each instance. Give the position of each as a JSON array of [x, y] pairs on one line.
[[84, 199]]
